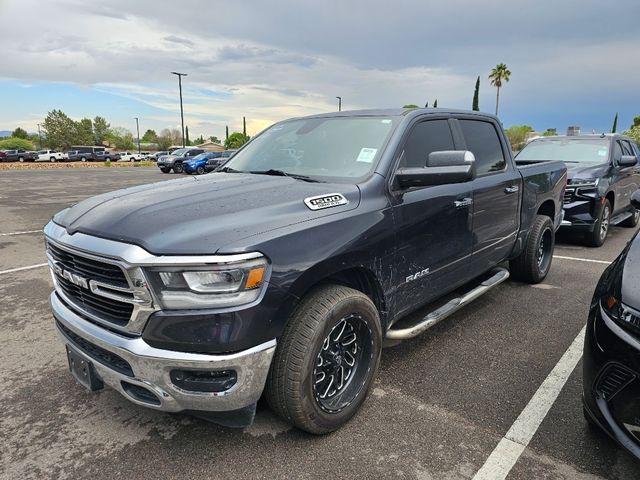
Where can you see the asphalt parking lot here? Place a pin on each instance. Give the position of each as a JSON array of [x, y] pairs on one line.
[[441, 404]]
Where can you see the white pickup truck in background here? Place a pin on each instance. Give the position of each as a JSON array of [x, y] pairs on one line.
[[50, 156], [130, 157]]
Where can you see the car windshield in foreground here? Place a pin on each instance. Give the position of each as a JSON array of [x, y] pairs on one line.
[[334, 148], [577, 150]]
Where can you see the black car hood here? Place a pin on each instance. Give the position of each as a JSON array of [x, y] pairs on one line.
[[585, 171], [631, 275], [200, 215]]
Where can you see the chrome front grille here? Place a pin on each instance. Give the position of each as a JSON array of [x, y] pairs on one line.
[[103, 290], [568, 195]]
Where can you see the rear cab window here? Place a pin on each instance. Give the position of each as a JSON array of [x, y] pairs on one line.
[[482, 139]]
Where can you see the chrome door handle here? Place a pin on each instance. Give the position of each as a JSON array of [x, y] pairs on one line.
[[512, 189], [465, 202]]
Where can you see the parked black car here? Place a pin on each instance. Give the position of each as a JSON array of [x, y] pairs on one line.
[[174, 161], [218, 159], [603, 173], [287, 270], [611, 362], [83, 156], [19, 156]]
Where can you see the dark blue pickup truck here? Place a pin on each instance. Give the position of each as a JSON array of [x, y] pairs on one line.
[[311, 246], [603, 172]]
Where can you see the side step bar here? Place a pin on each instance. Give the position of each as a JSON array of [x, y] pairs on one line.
[[499, 276], [621, 217]]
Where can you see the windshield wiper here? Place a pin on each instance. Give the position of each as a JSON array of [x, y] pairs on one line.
[[228, 170], [282, 173]]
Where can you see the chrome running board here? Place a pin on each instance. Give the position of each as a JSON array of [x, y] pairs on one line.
[[499, 276]]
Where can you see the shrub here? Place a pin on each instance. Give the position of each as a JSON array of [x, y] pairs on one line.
[[15, 143]]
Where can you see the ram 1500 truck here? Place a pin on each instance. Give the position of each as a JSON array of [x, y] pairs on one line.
[[307, 251]]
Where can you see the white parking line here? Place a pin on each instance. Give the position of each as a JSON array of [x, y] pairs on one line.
[[509, 449], [604, 262], [20, 233], [12, 270]]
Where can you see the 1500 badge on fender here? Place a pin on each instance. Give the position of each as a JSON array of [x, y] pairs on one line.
[[325, 201]]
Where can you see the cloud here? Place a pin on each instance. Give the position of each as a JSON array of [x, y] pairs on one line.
[[179, 40]]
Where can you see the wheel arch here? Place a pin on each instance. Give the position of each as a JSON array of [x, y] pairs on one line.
[[547, 208]]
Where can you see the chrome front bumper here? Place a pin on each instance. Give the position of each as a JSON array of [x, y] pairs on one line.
[[152, 366]]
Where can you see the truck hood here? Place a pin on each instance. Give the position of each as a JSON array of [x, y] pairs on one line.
[[585, 171], [200, 215]]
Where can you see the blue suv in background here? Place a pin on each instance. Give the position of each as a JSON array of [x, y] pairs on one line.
[[198, 163]]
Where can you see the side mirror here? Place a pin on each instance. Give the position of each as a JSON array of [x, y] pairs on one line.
[[441, 168], [635, 200], [628, 161]]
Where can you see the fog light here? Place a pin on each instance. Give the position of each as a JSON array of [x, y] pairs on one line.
[[211, 381]]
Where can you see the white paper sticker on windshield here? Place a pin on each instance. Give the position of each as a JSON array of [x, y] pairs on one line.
[[366, 155], [602, 153]]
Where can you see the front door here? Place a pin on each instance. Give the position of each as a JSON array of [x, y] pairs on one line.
[[433, 224]]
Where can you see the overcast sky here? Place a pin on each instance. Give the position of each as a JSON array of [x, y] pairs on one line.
[[572, 62]]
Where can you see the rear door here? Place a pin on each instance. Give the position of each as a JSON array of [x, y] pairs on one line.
[[433, 223], [496, 194]]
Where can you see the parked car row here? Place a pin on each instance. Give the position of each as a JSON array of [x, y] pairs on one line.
[[77, 154], [193, 161]]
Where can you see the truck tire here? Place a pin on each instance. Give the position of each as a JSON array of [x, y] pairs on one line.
[[200, 170], [165, 170], [178, 168], [52, 159], [21, 159], [633, 220], [601, 228], [534, 262], [83, 159], [326, 359]]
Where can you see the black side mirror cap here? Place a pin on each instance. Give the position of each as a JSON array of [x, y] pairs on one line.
[[628, 161]]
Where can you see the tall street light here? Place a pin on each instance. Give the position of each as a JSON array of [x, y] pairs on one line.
[[339, 103], [138, 131], [180, 75]]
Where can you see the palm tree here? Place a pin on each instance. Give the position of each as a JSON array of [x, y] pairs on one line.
[[499, 74]]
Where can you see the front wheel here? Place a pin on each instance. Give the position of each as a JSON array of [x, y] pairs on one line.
[[165, 170], [83, 159], [534, 262], [21, 159], [177, 168], [200, 170], [597, 237], [326, 359]]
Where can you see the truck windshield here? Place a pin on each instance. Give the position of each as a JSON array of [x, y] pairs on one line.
[[579, 150], [335, 148]]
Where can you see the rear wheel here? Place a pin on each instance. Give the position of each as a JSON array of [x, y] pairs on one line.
[[21, 159], [132, 159], [178, 168], [601, 228], [83, 159], [633, 220], [52, 159], [326, 359], [534, 262]]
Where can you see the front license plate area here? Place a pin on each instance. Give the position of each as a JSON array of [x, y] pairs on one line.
[[83, 371]]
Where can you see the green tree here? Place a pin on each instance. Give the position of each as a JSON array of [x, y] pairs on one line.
[[475, 106], [410, 105], [60, 130], [84, 132], [215, 139], [435, 103], [15, 143], [426, 105], [20, 133], [236, 140], [550, 132], [150, 136], [499, 75], [615, 124], [121, 138], [517, 135], [100, 130], [636, 121], [186, 136], [164, 142], [634, 132]]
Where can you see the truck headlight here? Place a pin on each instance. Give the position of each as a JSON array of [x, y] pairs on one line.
[[210, 286], [621, 314]]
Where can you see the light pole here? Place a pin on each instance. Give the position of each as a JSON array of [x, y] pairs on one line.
[[138, 131], [39, 137], [180, 75], [339, 103]]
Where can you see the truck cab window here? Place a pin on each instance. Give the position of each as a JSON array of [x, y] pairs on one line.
[[482, 139], [426, 137]]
